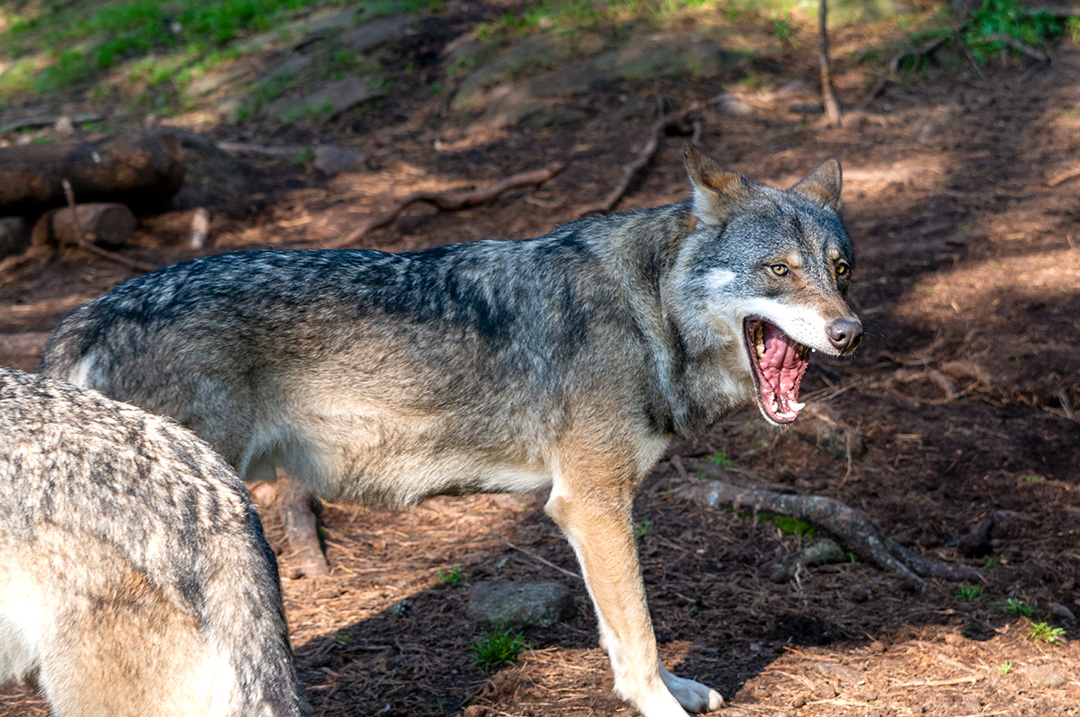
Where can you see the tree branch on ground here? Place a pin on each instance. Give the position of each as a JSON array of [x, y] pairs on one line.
[[673, 120], [854, 529], [448, 201]]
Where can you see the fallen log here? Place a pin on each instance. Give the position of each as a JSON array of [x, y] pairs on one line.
[[104, 224], [135, 169], [14, 236]]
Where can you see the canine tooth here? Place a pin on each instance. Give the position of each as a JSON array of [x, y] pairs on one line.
[[796, 406], [760, 349]]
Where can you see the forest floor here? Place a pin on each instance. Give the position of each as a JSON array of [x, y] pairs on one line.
[[961, 404]]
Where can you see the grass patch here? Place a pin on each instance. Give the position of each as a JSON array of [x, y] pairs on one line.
[[167, 41], [452, 577], [501, 646], [1012, 606], [968, 592], [1043, 632]]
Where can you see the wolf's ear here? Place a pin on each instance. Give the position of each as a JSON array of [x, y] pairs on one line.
[[715, 188], [822, 186]]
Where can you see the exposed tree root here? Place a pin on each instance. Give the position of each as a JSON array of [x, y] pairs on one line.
[[858, 533], [917, 52], [673, 120], [1019, 46], [447, 201]]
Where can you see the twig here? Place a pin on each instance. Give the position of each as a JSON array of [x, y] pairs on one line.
[[284, 151], [33, 122], [89, 246], [631, 170], [1053, 11], [925, 48], [1019, 46], [448, 201], [861, 535], [539, 559]]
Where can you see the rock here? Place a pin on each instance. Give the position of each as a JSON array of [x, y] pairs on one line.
[[402, 608], [823, 552], [329, 101], [288, 68], [332, 160], [729, 104], [520, 604], [1045, 676], [376, 32], [1059, 610]]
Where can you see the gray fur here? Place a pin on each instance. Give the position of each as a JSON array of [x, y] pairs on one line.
[[134, 576]]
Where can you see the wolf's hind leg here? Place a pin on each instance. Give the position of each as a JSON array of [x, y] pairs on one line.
[[301, 526]]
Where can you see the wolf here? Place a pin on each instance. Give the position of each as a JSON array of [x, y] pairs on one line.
[[134, 576], [565, 362]]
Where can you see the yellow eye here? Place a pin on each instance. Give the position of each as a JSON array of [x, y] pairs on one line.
[[779, 269], [842, 269]]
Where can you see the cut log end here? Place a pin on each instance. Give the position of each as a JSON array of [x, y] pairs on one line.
[[108, 225]]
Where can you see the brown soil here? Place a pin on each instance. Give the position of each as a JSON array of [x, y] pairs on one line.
[[964, 396]]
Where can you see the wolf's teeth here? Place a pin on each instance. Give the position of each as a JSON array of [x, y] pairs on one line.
[[775, 405], [760, 349], [796, 406]]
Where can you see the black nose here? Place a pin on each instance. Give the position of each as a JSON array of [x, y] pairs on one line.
[[845, 334]]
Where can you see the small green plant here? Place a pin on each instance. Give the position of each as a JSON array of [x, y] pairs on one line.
[[1012, 606], [453, 576], [341, 638], [643, 529], [969, 592], [783, 30], [307, 154], [1042, 632], [1030, 478], [499, 647], [722, 460], [1006, 667], [993, 562]]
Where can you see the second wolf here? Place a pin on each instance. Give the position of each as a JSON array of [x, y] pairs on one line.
[[134, 576], [566, 361]]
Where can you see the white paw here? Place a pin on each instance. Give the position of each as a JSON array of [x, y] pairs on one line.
[[693, 696]]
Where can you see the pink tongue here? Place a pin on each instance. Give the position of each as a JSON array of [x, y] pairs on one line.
[[782, 366]]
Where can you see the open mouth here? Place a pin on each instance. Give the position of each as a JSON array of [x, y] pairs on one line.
[[779, 364]]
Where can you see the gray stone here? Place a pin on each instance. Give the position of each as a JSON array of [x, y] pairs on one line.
[[330, 101], [288, 68], [520, 604], [1045, 676], [823, 552], [331, 159], [377, 32]]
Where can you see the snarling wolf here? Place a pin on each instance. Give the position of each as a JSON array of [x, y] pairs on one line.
[[134, 576], [564, 362]]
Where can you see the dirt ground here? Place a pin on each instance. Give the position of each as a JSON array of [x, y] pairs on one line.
[[960, 405]]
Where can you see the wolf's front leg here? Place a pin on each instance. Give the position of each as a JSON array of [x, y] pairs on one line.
[[593, 509]]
